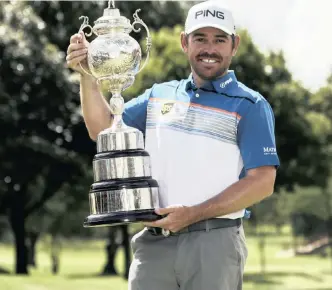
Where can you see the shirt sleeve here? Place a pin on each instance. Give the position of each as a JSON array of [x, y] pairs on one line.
[[134, 114], [256, 137]]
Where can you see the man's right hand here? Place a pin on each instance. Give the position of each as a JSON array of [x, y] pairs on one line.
[[77, 53]]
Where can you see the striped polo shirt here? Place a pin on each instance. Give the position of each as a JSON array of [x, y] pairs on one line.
[[202, 140]]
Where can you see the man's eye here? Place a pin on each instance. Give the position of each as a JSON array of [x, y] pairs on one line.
[[200, 39], [220, 40]]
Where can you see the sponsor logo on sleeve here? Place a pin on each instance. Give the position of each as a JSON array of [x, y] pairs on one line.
[[270, 150]]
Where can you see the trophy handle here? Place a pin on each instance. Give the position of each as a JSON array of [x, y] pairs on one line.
[[138, 20], [83, 26]]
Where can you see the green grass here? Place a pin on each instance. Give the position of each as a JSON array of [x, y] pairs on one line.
[[81, 264]]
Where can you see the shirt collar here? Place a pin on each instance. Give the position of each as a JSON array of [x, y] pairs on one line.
[[190, 84], [220, 85]]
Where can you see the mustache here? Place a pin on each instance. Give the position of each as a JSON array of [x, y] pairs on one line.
[[207, 55]]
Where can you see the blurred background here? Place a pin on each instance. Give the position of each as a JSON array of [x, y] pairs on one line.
[[46, 154]]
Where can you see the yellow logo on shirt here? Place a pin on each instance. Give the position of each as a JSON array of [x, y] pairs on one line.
[[166, 108]]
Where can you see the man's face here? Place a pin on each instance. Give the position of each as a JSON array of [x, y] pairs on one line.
[[209, 51]]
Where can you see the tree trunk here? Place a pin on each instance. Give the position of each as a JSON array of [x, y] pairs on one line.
[[111, 249], [329, 235], [17, 222], [278, 228], [126, 247], [32, 242], [327, 198], [261, 248], [294, 238], [55, 253]]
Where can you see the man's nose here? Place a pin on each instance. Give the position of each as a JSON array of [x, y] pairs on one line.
[[209, 47]]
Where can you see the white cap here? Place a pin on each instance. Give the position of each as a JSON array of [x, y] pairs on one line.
[[209, 14]]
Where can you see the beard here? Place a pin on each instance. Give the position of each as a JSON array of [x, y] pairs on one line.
[[209, 76]]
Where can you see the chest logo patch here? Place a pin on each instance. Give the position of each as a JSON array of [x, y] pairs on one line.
[[166, 108]]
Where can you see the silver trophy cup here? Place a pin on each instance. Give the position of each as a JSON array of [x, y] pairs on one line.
[[123, 190]]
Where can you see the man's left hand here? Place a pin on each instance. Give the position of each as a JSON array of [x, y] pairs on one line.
[[177, 218]]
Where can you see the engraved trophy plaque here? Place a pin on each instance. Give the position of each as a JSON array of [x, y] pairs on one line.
[[123, 190]]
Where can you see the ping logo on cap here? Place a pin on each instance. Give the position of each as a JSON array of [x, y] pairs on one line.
[[207, 12]]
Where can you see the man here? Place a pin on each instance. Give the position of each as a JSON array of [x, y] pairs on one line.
[[213, 153]]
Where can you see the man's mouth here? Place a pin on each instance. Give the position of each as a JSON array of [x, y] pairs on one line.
[[208, 60]]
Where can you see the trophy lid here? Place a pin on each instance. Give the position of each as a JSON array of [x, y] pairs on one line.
[[112, 21]]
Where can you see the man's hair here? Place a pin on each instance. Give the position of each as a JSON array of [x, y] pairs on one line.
[[232, 36], [233, 40]]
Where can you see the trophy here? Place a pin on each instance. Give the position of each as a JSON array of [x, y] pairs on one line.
[[123, 190]]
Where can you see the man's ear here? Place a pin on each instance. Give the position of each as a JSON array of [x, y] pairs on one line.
[[184, 42], [236, 44]]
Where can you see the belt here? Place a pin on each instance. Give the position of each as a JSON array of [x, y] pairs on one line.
[[206, 225]]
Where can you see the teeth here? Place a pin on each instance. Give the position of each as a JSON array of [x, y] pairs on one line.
[[208, 60]]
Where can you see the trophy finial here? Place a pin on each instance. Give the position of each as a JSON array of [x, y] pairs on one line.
[[109, 4]]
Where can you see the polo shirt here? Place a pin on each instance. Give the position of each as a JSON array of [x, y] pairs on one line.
[[202, 140]]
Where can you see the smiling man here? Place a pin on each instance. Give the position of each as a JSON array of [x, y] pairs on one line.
[[212, 147]]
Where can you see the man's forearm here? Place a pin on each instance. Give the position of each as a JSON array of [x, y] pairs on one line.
[[96, 111], [242, 194]]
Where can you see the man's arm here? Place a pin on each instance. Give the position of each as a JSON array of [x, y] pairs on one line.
[[96, 111], [256, 186]]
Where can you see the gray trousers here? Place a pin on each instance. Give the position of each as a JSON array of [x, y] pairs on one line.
[[202, 260]]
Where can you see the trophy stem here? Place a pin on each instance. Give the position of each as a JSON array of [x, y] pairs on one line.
[[117, 123], [109, 4], [117, 108]]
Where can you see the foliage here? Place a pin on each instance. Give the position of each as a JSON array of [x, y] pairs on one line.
[[62, 17], [167, 61]]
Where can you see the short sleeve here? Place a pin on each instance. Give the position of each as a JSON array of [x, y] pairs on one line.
[[256, 137], [134, 114]]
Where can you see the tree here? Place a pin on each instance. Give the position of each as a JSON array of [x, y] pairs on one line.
[[40, 106], [321, 103], [38, 109]]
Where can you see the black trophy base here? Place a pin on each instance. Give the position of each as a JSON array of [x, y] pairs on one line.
[[120, 218]]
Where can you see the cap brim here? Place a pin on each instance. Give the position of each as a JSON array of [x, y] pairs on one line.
[[202, 25]]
